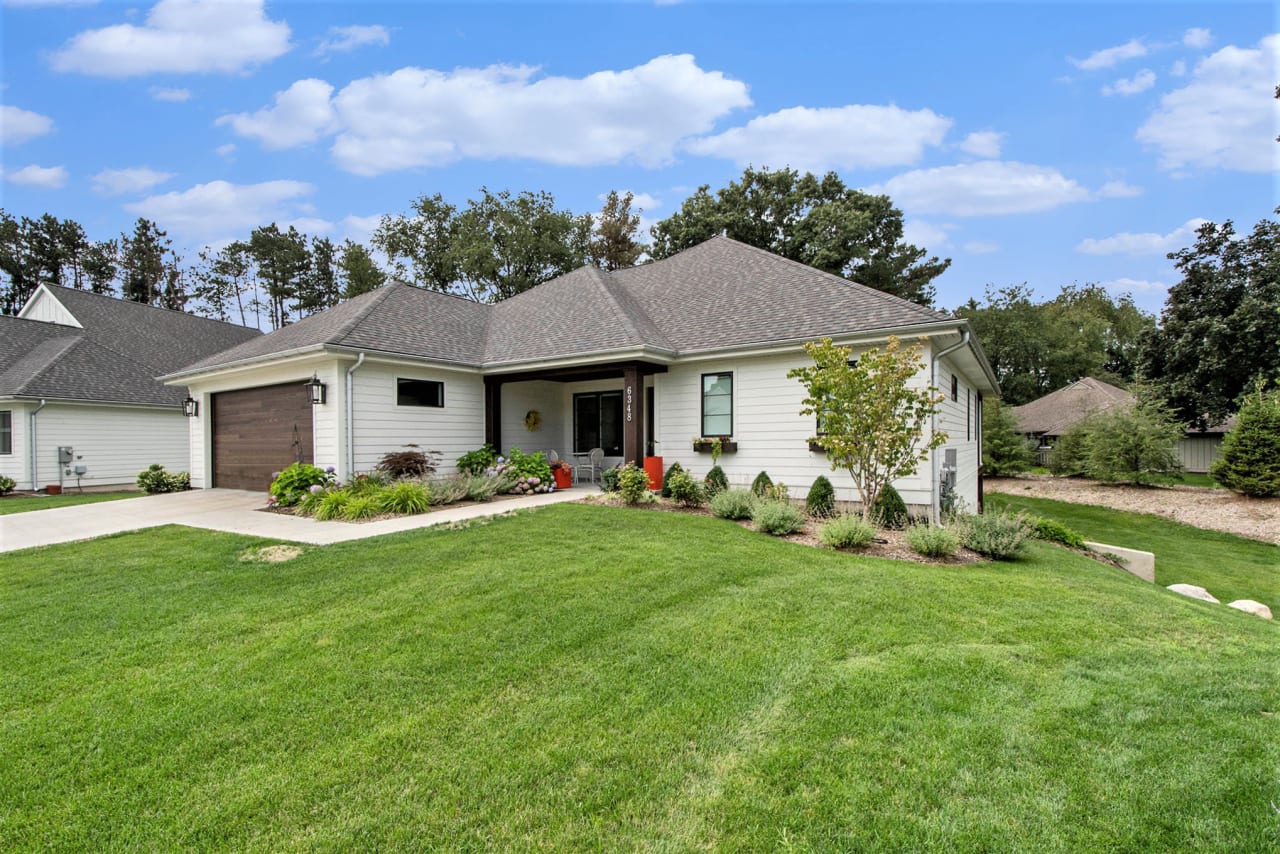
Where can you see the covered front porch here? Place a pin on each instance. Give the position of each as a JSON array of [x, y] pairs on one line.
[[572, 410]]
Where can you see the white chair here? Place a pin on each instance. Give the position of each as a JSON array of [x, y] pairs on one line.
[[552, 456], [593, 466]]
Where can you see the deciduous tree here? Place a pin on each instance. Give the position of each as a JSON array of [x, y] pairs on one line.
[[614, 245]]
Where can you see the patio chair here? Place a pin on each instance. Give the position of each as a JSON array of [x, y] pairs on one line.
[[552, 456], [593, 466]]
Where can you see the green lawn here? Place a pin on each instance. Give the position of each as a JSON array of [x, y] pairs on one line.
[[1228, 566], [23, 503], [1188, 478], [588, 677]]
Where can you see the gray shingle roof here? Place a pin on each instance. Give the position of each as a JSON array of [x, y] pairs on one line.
[[116, 356], [1059, 411], [718, 294]]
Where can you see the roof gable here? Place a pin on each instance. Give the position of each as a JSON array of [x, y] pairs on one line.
[[1059, 411]]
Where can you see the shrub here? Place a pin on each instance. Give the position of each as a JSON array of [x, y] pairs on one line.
[[361, 507], [448, 490], [1250, 462], [846, 532], [405, 498], [715, 482], [762, 485], [368, 483], [821, 500], [528, 473], [1005, 450], [675, 467], [890, 511], [7, 484], [932, 540], [475, 462], [1056, 532], [307, 506], [410, 462], [777, 518], [1071, 452], [331, 504], [290, 486], [1136, 444], [482, 487], [996, 535], [609, 479], [734, 504], [686, 490], [153, 480], [633, 483]]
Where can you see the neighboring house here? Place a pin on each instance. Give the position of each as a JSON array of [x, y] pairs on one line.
[[78, 369], [638, 362], [1049, 417]]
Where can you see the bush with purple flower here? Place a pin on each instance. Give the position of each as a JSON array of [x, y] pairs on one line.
[[297, 482]]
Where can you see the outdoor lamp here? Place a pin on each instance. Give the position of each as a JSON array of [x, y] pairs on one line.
[[316, 388], [190, 407]]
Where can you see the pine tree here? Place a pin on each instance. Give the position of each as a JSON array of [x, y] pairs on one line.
[[359, 273], [1004, 450], [1250, 462], [614, 245], [143, 263]]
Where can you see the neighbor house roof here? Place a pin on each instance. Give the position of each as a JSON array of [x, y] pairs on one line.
[[1059, 411], [718, 294], [114, 355]]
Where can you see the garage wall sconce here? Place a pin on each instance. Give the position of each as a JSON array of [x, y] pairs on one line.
[[317, 390], [190, 407]]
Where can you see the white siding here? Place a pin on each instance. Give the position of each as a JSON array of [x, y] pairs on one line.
[[958, 419], [15, 465], [548, 398], [328, 419], [381, 426], [114, 442], [767, 424], [43, 306]]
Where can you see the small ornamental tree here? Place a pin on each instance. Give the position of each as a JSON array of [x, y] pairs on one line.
[[1136, 444], [1004, 450], [873, 421], [1250, 462]]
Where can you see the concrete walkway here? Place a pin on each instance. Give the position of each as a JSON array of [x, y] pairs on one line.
[[235, 512]]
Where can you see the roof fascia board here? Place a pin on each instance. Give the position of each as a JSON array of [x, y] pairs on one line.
[[75, 401], [790, 344], [241, 365], [649, 354]]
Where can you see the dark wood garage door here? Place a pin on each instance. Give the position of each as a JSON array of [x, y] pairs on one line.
[[258, 431]]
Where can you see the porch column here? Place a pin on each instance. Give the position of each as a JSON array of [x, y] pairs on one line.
[[493, 412], [632, 415]]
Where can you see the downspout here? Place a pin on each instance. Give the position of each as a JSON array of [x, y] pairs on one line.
[[933, 424], [31, 438], [351, 418]]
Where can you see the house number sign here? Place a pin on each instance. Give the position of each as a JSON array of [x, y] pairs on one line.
[[628, 404]]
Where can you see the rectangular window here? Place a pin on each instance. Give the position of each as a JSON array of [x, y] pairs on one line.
[[419, 393], [6, 432], [717, 404], [597, 422], [955, 388], [968, 416]]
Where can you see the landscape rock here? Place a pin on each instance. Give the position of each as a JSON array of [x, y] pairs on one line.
[[1251, 607], [1194, 592]]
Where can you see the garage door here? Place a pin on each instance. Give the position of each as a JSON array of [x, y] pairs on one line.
[[258, 431]]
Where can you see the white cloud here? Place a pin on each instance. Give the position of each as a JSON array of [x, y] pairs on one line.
[[344, 39], [225, 150], [1140, 82], [981, 247], [1126, 285], [115, 182], [1110, 56], [642, 201], [179, 36], [218, 210], [1118, 190], [926, 235], [164, 93], [982, 188], [984, 143], [1225, 117], [18, 125], [309, 225], [818, 139], [418, 117], [302, 113], [48, 177], [1178, 69], [1197, 37], [1144, 243], [360, 228]]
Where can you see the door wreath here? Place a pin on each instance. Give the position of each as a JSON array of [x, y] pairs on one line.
[[532, 420]]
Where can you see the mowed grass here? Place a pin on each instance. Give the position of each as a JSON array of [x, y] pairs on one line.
[[599, 678], [1228, 566], [25, 503]]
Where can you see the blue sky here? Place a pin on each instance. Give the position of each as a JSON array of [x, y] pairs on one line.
[[1036, 143]]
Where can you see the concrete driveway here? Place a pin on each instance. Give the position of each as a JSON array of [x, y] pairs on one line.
[[233, 511]]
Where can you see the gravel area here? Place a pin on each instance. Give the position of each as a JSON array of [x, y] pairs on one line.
[[1216, 509]]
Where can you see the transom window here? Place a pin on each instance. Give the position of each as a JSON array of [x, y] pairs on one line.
[[597, 422], [6, 432], [717, 404], [419, 392]]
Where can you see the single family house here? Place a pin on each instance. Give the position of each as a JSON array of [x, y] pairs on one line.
[[79, 399], [638, 362]]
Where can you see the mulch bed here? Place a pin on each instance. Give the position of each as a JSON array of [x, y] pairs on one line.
[[293, 511]]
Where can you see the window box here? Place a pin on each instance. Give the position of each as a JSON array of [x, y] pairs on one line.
[[703, 446], [815, 448]]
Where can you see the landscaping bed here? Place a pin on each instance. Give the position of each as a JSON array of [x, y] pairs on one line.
[[1216, 509]]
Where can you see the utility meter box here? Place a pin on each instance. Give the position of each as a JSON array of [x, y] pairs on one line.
[[65, 455]]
